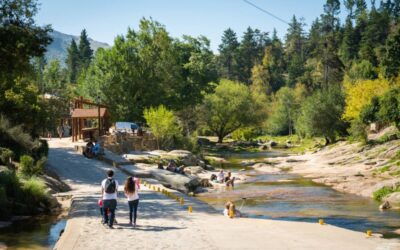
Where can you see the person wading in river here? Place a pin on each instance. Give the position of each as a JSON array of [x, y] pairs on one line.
[[109, 191]]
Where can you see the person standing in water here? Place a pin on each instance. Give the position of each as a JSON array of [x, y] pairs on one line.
[[131, 192]]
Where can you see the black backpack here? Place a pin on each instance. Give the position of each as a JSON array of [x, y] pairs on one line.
[[110, 186]]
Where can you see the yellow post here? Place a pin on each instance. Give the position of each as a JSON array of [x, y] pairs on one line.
[[321, 222], [158, 189], [190, 209], [182, 201], [369, 233], [231, 213]]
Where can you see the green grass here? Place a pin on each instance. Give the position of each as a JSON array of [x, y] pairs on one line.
[[286, 169], [382, 192], [34, 190], [383, 169], [298, 145]]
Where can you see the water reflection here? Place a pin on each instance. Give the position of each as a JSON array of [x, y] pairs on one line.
[[38, 234]]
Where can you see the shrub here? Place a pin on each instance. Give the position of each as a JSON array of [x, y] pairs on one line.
[[41, 149], [163, 124], [357, 131], [244, 134], [390, 106], [26, 166], [34, 190], [5, 155], [381, 193], [15, 138]]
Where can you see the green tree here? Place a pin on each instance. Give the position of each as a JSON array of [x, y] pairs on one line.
[[333, 67], [363, 70], [251, 51], [294, 48], [284, 111], [21, 40], [72, 62], [391, 59], [85, 52], [390, 107], [53, 78], [321, 114], [229, 108], [148, 68], [163, 125], [228, 55]]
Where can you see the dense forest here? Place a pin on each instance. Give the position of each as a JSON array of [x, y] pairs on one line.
[[329, 80]]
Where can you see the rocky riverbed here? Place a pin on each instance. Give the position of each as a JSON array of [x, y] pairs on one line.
[[346, 167]]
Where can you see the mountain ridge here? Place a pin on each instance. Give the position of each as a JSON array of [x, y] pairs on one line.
[[57, 50]]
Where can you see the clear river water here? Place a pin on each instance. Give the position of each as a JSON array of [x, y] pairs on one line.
[[291, 197]]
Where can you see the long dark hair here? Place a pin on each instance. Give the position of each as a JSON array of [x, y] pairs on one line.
[[130, 185]]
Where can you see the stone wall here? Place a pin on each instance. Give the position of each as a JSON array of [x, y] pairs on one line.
[[123, 143]]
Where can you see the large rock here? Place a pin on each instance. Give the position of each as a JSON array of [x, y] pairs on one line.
[[184, 157], [176, 181], [141, 157], [169, 179], [266, 168], [194, 170], [393, 199]]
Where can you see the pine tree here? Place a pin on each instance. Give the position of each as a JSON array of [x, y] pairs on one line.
[[295, 51], [391, 60], [361, 7], [228, 55], [348, 47], [72, 62], [85, 52], [333, 67], [248, 52]]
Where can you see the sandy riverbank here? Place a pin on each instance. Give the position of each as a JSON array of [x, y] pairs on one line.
[[165, 224]]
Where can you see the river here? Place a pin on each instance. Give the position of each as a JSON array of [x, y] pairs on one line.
[[34, 234], [286, 196]]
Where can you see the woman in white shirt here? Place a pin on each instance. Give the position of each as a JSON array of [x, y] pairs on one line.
[[131, 193], [221, 176]]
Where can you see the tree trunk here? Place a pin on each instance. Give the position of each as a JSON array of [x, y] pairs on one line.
[[327, 141], [220, 138]]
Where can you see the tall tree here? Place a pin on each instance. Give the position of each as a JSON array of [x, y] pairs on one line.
[[53, 78], [294, 48], [348, 47], [231, 107], [391, 59], [333, 67], [21, 39], [228, 55], [72, 62], [85, 52], [250, 52]]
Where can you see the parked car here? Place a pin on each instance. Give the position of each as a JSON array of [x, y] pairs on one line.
[[126, 127]]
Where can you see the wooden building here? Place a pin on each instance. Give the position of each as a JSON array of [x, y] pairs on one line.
[[84, 114]]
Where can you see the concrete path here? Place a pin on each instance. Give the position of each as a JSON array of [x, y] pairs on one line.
[[164, 224]]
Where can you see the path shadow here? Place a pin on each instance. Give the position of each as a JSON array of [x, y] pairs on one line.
[[157, 228]]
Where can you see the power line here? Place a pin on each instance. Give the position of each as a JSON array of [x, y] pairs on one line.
[[266, 12]]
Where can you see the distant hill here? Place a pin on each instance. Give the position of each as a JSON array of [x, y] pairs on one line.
[[58, 48]]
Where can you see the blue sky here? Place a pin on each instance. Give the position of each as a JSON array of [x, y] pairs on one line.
[[104, 19]]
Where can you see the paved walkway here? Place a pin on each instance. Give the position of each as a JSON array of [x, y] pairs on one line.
[[164, 224]]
